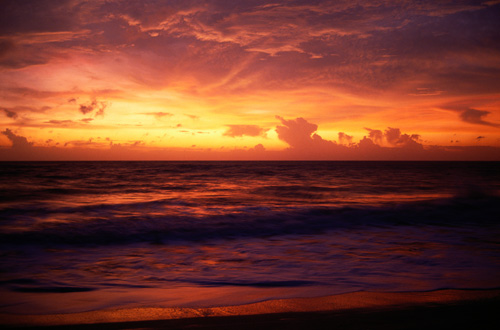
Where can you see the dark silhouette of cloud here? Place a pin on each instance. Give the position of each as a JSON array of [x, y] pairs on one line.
[[86, 108], [474, 116], [299, 135], [18, 141], [366, 149], [242, 130], [258, 148], [93, 105], [395, 138], [61, 122], [375, 135], [10, 114]]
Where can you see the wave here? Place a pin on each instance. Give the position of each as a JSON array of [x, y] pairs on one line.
[[155, 222]]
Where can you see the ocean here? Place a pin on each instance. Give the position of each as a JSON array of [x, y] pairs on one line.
[[80, 236]]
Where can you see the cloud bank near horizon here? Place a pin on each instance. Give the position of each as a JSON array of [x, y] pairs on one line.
[[299, 134]]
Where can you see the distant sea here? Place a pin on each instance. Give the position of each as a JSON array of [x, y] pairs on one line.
[[78, 236]]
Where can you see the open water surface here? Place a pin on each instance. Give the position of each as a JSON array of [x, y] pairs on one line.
[[282, 229]]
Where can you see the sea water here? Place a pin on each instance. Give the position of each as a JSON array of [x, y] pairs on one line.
[[77, 236]]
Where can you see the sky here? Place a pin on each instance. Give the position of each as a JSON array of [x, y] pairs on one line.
[[249, 80]]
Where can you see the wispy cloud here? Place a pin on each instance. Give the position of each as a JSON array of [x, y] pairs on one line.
[[158, 115], [244, 130], [348, 64], [10, 114], [474, 116]]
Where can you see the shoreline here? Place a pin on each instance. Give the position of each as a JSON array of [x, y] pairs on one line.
[[270, 311]]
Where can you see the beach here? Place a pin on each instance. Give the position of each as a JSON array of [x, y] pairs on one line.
[[243, 164], [404, 310]]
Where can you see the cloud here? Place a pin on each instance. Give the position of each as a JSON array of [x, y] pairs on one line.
[[258, 148], [16, 111], [205, 57], [392, 135], [18, 142], [68, 122], [474, 116], [343, 137], [241, 130], [366, 149], [10, 114], [299, 135], [86, 108], [375, 135], [354, 45], [60, 122], [93, 105], [395, 138], [158, 115], [304, 143]]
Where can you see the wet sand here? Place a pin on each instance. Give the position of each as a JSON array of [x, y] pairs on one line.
[[441, 309]]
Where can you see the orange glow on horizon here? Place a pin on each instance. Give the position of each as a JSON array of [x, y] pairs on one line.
[[164, 79]]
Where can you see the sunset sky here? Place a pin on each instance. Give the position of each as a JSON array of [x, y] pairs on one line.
[[115, 79]]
